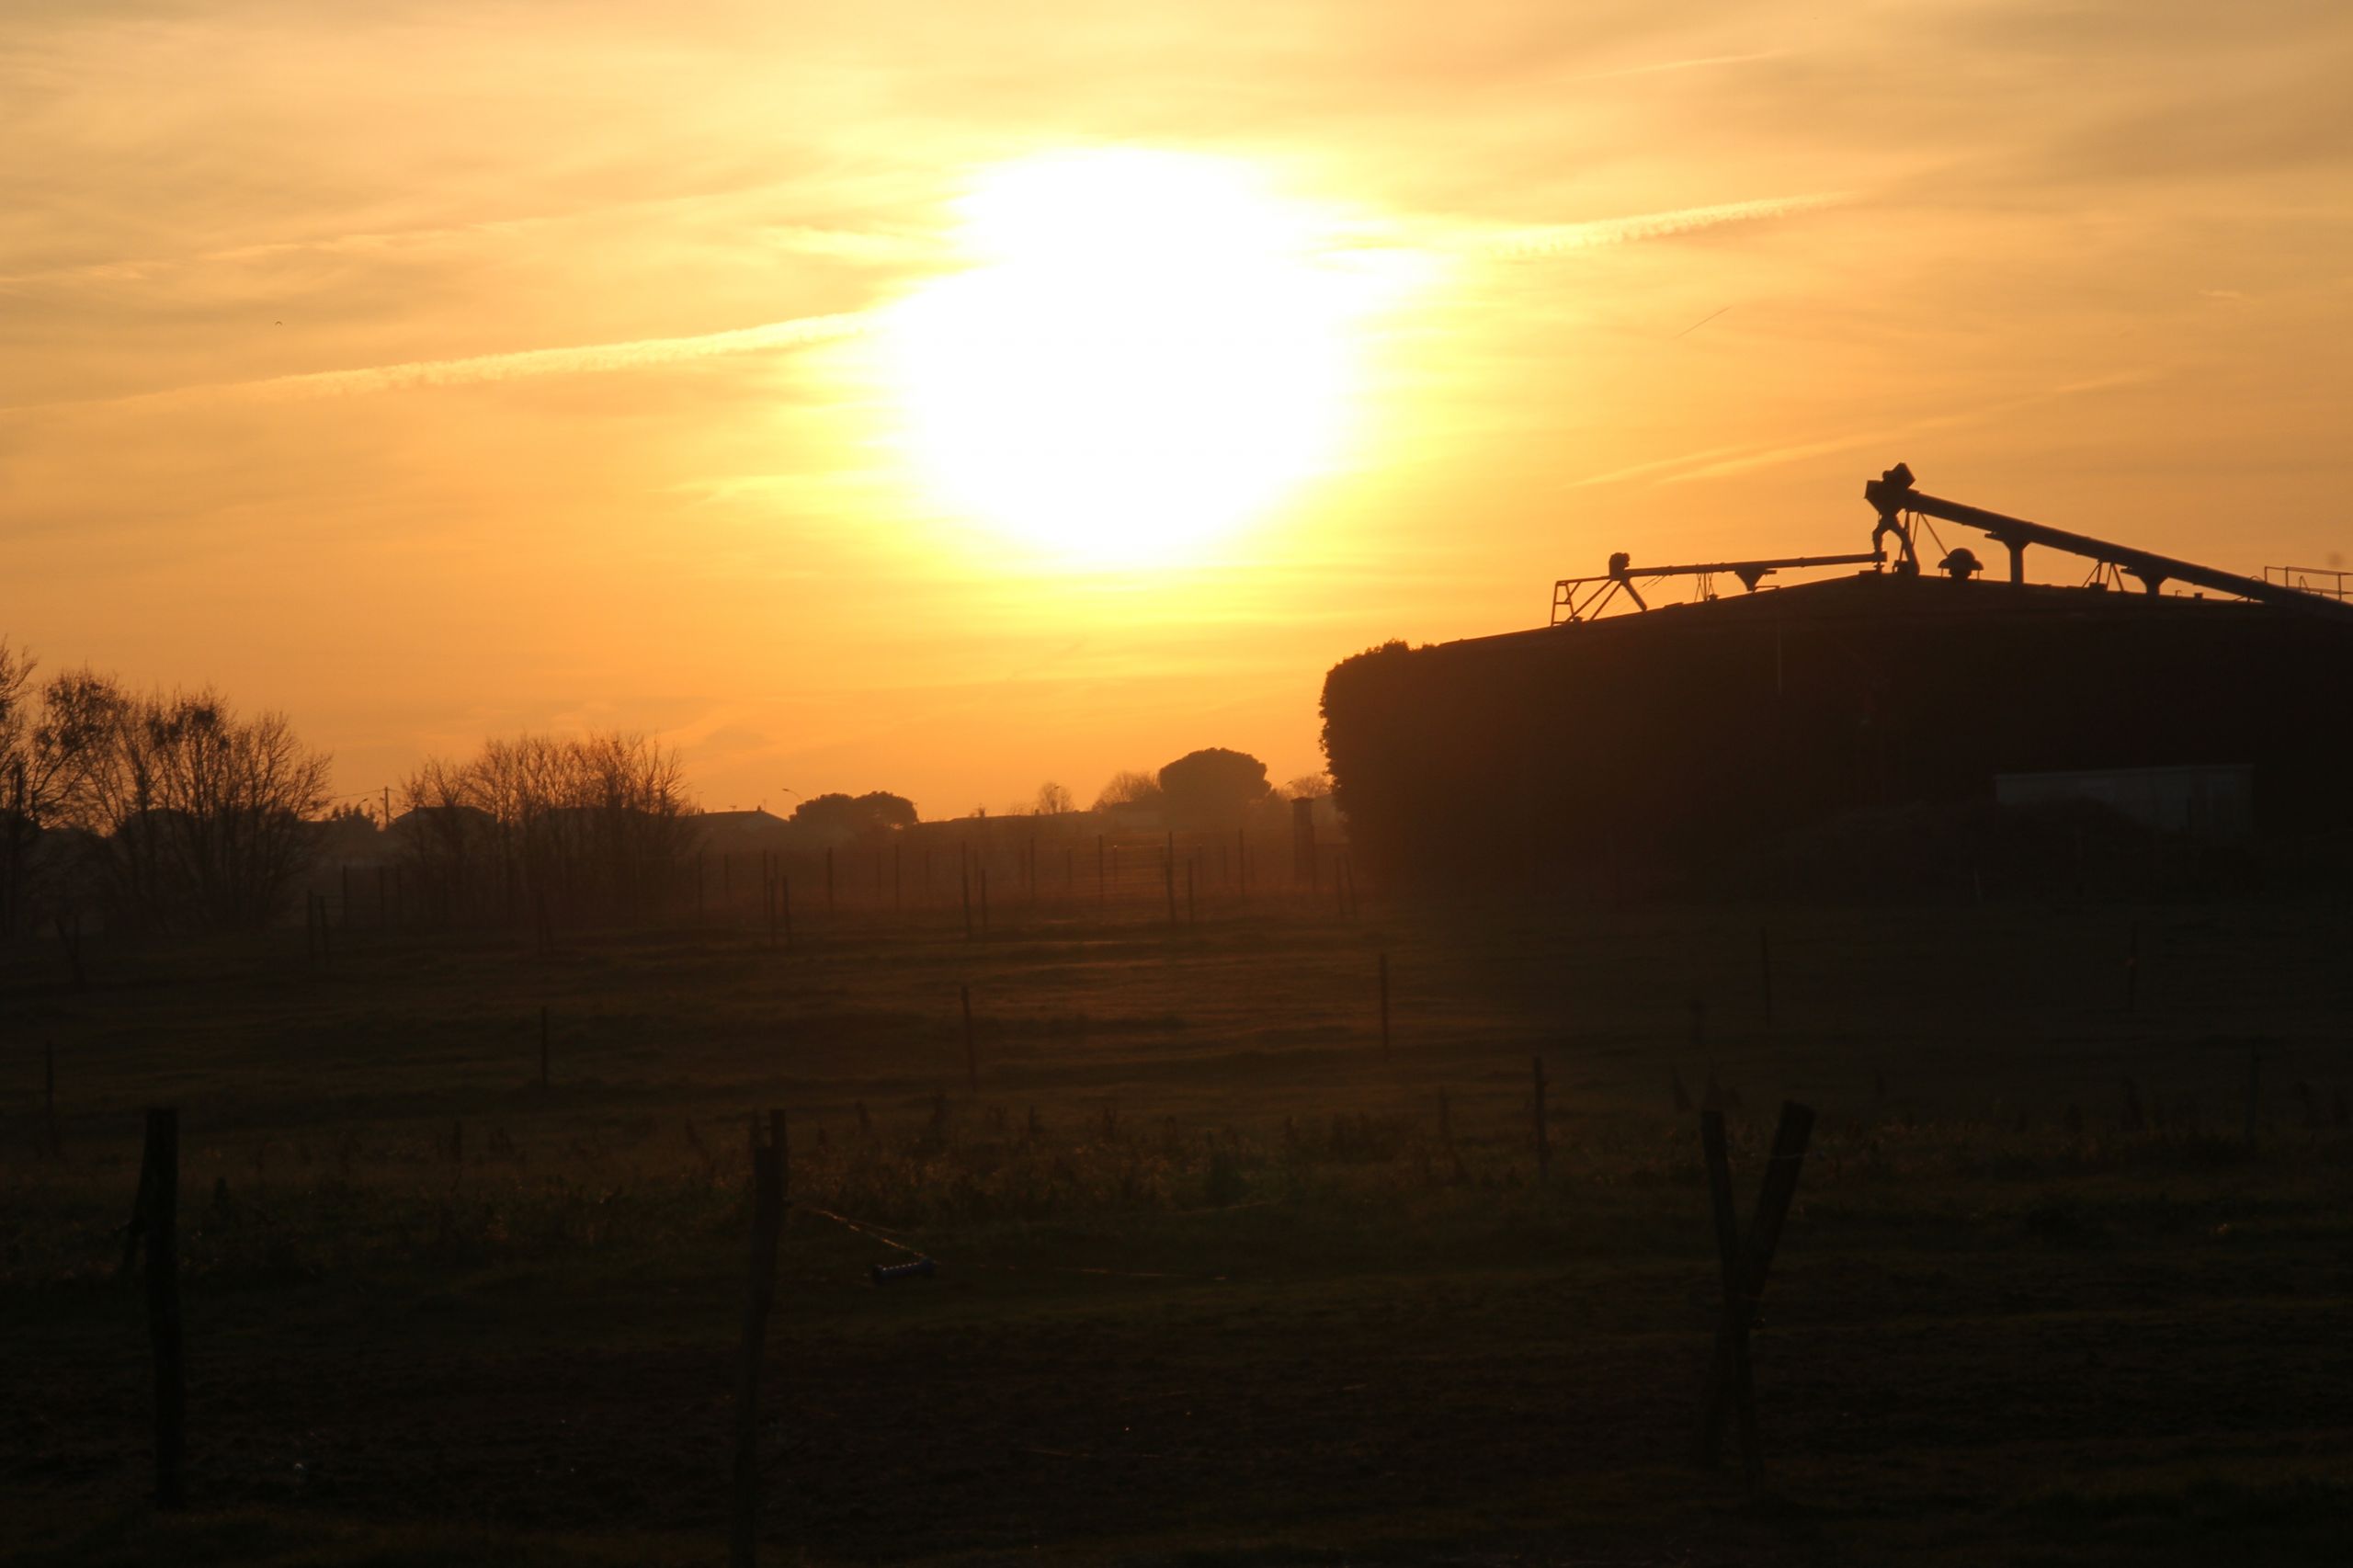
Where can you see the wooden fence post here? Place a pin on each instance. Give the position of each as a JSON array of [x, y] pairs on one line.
[[2253, 1090], [1732, 1334], [155, 1223], [1728, 1376], [767, 1222], [1543, 1135], [971, 1058]]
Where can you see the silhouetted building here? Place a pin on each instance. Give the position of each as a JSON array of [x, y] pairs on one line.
[[1680, 734]]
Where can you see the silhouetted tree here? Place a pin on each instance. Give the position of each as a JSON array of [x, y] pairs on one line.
[[200, 813], [1308, 787], [1214, 787], [870, 815], [1129, 789], [1054, 799], [599, 822], [33, 766]]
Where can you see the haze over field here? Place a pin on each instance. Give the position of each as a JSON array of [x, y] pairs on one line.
[[941, 399]]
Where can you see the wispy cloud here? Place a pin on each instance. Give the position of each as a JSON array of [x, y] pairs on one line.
[[1717, 463], [1554, 239], [579, 359], [1698, 62], [875, 247]]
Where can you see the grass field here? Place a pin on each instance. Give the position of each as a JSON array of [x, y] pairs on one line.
[[1214, 1287]]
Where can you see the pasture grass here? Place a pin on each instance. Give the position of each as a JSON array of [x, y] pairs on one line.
[[1218, 1283]]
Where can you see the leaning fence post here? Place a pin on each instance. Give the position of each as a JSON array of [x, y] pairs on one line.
[[1728, 1376], [768, 1221]]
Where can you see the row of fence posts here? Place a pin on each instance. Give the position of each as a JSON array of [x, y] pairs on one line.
[[393, 904], [1744, 1257]]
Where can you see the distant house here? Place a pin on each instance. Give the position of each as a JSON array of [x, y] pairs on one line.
[[1130, 816], [349, 840], [426, 828], [743, 833]]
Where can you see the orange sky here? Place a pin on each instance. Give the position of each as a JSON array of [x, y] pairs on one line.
[[398, 373]]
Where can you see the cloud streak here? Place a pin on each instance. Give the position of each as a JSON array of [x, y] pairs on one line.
[[580, 359], [1696, 63], [1557, 239], [1718, 462], [1520, 244]]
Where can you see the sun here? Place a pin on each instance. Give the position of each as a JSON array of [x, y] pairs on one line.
[[1147, 351]]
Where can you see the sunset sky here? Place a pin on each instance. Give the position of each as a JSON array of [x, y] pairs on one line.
[[944, 398]]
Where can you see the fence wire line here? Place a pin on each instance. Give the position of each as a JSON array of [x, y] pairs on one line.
[[874, 1232]]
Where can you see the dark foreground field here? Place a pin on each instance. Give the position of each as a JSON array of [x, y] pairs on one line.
[[1213, 1287]]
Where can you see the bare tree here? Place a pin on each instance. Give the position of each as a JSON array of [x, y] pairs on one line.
[[598, 824], [1054, 799], [33, 765], [1129, 789], [1308, 787], [202, 814]]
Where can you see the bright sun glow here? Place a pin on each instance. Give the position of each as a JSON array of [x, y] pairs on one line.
[[1146, 353]]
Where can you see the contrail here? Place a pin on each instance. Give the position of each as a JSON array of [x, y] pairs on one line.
[[1701, 322], [1520, 244], [580, 359], [1716, 462], [585, 358], [879, 247], [1695, 64]]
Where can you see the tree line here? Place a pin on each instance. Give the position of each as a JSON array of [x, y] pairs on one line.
[[597, 825], [173, 812], [163, 810]]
